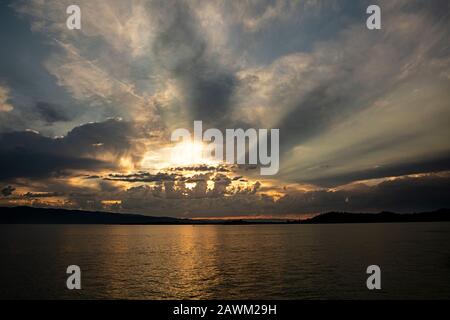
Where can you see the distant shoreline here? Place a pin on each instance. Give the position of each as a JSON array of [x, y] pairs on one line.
[[30, 215]]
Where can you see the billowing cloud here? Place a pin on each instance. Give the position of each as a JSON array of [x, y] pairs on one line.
[[50, 112], [406, 194], [143, 177], [7, 191], [88, 147]]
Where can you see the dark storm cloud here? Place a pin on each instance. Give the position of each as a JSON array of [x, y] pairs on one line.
[[109, 136], [34, 164], [440, 163], [402, 195], [143, 177], [30, 154], [161, 177], [7, 191], [42, 194], [51, 113], [315, 112], [22, 65], [182, 49], [203, 167]]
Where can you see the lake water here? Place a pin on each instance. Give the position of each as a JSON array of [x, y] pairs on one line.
[[226, 262]]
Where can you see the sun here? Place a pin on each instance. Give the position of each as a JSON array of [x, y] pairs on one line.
[[188, 153]]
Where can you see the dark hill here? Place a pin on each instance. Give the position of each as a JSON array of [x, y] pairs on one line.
[[30, 215], [345, 217]]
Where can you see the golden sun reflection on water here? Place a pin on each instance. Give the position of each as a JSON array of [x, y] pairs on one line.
[[223, 261]]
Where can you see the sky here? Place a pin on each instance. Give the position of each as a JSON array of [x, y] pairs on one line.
[[86, 115]]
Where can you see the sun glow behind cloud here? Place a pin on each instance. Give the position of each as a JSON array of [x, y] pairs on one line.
[[179, 154]]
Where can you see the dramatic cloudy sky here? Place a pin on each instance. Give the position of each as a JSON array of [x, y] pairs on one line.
[[86, 115]]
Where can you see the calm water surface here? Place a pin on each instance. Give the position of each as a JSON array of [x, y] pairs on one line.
[[226, 262]]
